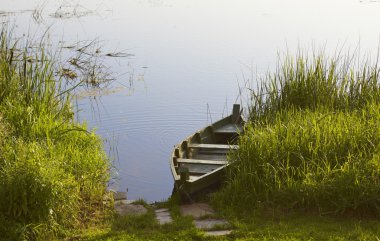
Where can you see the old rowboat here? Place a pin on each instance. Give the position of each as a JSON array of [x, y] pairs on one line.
[[199, 161]]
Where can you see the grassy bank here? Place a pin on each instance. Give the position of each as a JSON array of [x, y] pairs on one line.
[[312, 142], [53, 172], [268, 225], [307, 167]]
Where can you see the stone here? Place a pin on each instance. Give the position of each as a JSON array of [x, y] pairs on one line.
[[218, 232], [124, 208], [124, 201], [202, 214], [207, 224], [119, 195], [163, 216], [196, 210]]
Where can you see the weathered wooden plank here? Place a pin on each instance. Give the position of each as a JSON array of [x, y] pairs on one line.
[[198, 161], [200, 168], [236, 113], [210, 157], [212, 151], [229, 129], [212, 146]]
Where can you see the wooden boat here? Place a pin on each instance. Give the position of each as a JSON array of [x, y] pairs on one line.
[[199, 161]]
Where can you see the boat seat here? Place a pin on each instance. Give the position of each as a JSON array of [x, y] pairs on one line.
[[213, 146], [229, 129], [200, 169], [197, 161], [208, 156]]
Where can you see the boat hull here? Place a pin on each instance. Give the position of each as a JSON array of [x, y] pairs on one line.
[[199, 162]]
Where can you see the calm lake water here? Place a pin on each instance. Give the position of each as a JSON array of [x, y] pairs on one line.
[[187, 61]]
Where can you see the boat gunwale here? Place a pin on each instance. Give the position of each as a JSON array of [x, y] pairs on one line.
[[206, 135], [173, 171], [175, 175]]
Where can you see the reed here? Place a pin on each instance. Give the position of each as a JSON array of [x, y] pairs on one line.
[[310, 83], [312, 142], [53, 172]]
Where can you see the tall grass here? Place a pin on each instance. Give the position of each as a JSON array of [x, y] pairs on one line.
[[310, 83], [53, 172], [312, 142]]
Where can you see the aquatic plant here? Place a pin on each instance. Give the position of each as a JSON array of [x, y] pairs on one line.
[[87, 63]]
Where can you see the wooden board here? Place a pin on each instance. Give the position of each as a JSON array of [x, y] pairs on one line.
[[229, 129], [213, 146], [213, 151], [200, 168], [198, 161], [210, 157]]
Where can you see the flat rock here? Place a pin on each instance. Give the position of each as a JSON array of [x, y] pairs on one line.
[[119, 195], [163, 216], [218, 232], [200, 211], [124, 201], [206, 224], [124, 208], [196, 210]]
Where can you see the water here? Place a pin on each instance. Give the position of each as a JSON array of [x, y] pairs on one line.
[[188, 59]]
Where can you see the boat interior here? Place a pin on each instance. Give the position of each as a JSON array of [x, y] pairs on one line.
[[206, 150]]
